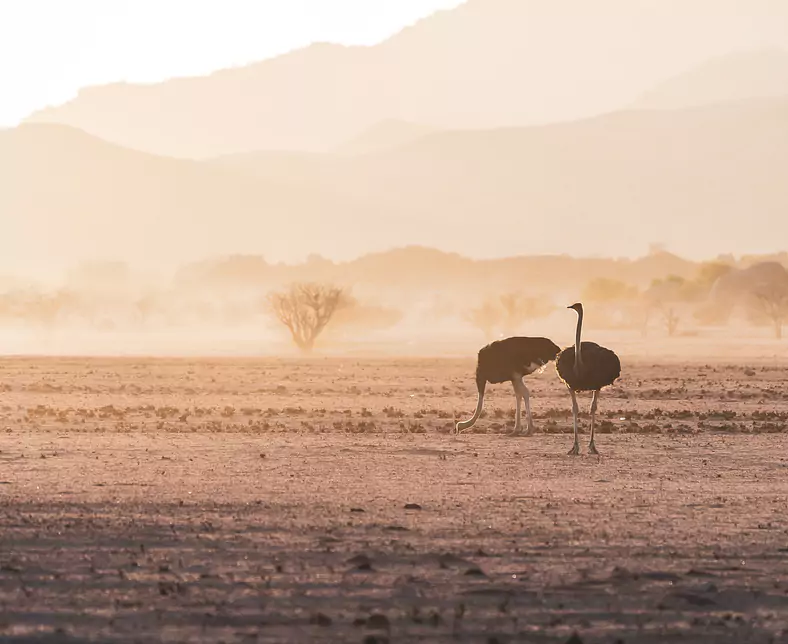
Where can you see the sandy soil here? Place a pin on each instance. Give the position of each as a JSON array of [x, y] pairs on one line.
[[270, 500]]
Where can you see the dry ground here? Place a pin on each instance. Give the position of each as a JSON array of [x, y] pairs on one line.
[[268, 500]]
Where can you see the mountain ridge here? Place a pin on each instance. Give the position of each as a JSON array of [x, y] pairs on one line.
[[608, 185], [484, 64], [741, 75]]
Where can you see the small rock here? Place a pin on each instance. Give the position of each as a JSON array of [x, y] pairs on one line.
[[361, 562], [412, 506], [475, 570], [358, 560], [378, 622], [320, 620], [574, 639], [376, 639], [447, 560]]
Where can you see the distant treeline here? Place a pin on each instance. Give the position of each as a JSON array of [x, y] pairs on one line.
[[493, 297]]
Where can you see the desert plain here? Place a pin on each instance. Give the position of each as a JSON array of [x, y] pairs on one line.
[[326, 499]]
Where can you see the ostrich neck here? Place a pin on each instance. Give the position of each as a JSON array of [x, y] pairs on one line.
[[578, 356]]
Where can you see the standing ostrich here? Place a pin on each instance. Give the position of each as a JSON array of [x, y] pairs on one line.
[[586, 367], [509, 360]]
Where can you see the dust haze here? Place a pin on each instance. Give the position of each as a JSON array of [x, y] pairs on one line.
[[497, 129], [438, 304], [499, 150], [241, 315]]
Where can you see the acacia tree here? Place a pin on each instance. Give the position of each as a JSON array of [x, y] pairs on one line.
[[305, 309], [484, 317], [773, 303], [670, 296], [507, 312], [519, 308], [604, 290], [45, 310], [710, 272], [617, 298]]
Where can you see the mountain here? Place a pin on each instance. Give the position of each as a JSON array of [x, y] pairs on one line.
[[68, 196], [485, 64], [701, 180], [752, 74], [421, 270], [387, 134]]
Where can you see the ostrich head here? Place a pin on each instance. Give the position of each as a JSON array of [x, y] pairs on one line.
[[577, 307]]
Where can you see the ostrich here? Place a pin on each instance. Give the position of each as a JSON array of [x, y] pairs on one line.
[[509, 360], [586, 367]]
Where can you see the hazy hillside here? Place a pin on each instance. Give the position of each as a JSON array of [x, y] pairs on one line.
[[385, 135], [608, 185], [488, 63], [421, 270], [68, 196], [701, 180], [743, 75]]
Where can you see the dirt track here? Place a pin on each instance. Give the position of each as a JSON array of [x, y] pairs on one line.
[[265, 501]]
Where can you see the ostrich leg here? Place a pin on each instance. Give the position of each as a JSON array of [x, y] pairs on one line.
[[526, 396], [594, 400], [518, 427], [575, 451]]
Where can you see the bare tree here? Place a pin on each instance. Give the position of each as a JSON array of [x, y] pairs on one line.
[[46, 310], [671, 319], [642, 318], [604, 290], [670, 296], [710, 272], [519, 308], [305, 309], [484, 317], [618, 300], [507, 313], [772, 302]]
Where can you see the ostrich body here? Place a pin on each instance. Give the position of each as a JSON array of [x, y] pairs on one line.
[[586, 367], [509, 360]]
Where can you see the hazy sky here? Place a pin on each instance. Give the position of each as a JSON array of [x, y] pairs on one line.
[[50, 48]]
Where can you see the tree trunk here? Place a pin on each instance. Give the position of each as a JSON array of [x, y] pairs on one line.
[[671, 322]]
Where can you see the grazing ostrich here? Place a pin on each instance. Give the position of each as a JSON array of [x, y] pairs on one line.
[[586, 367], [508, 360]]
